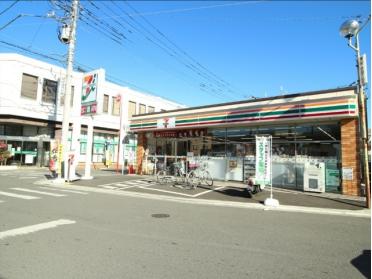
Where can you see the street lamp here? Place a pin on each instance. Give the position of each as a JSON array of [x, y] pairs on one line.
[[349, 29]]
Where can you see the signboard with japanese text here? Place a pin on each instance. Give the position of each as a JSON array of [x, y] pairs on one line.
[[263, 160], [192, 133]]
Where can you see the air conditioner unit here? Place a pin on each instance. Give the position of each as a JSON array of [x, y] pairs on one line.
[[314, 177]]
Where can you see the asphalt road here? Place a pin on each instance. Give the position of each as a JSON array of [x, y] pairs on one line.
[[97, 235]]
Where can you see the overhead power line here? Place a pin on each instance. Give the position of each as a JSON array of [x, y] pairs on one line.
[[8, 8], [100, 28], [209, 85], [218, 79]]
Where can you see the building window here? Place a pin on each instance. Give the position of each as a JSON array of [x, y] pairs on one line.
[[62, 101], [131, 109], [142, 109], [105, 103], [150, 109], [29, 86], [49, 91], [115, 106]]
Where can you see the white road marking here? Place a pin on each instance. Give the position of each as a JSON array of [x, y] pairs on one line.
[[28, 177], [165, 191], [35, 228], [208, 191], [109, 187], [39, 192], [64, 190], [25, 197]]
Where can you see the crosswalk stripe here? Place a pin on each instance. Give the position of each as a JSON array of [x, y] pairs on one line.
[[64, 190], [25, 197], [39, 192], [35, 228]]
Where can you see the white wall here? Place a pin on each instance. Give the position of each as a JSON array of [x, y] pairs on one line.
[[12, 66]]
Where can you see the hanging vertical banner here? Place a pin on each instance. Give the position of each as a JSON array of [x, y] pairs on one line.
[[263, 160], [53, 160]]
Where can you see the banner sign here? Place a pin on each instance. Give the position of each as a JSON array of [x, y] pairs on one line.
[[53, 160], [194, 133], [263, 160], [60, 159]]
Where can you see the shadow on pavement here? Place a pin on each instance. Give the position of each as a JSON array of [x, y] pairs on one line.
[[293, 199], [363, 263]]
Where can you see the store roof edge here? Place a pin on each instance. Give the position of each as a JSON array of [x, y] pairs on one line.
[[308, 93]]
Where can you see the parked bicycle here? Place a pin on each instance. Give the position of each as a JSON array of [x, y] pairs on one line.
[[179, 176], [200, 176]]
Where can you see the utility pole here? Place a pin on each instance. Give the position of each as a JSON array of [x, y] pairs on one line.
[[363, 125], [348, 30], [67, 98]]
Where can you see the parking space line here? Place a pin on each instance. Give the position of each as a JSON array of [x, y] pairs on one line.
[[39, 192], [25, 197], [35, 228], [165, 191], [208, 191]]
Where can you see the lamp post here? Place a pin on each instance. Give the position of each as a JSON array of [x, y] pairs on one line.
[[350, 29]]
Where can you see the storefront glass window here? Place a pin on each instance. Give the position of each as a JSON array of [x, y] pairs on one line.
[[240, 142], [13, 130], [295, 151], [215, 142]]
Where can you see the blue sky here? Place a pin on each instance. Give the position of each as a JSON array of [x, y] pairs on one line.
[[222, 50]]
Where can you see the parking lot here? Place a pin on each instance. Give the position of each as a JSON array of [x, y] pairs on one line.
[[222, 191]]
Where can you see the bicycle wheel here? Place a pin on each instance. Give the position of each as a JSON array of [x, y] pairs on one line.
[[192, 180], [161, 177], [179, 177], [208, 179]]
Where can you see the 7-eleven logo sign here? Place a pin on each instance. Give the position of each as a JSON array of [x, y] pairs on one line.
[[167, 122]]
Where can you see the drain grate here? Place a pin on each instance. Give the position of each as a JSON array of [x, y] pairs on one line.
[[160, 215]]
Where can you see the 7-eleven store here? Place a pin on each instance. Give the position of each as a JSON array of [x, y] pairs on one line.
[[315, 139]]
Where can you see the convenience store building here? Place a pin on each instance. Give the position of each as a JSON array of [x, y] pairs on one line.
[[315, 139]]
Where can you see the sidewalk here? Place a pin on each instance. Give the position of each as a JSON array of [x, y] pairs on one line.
[[230, 191]]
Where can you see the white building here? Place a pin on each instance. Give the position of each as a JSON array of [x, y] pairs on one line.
[[31, 110]]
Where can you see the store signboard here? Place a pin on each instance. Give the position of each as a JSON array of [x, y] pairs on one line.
[[166, 122], [165, 134], [192, 133], [263, 160], [92, 81]]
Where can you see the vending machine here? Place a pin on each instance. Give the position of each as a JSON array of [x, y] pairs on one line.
[[314, 177]]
